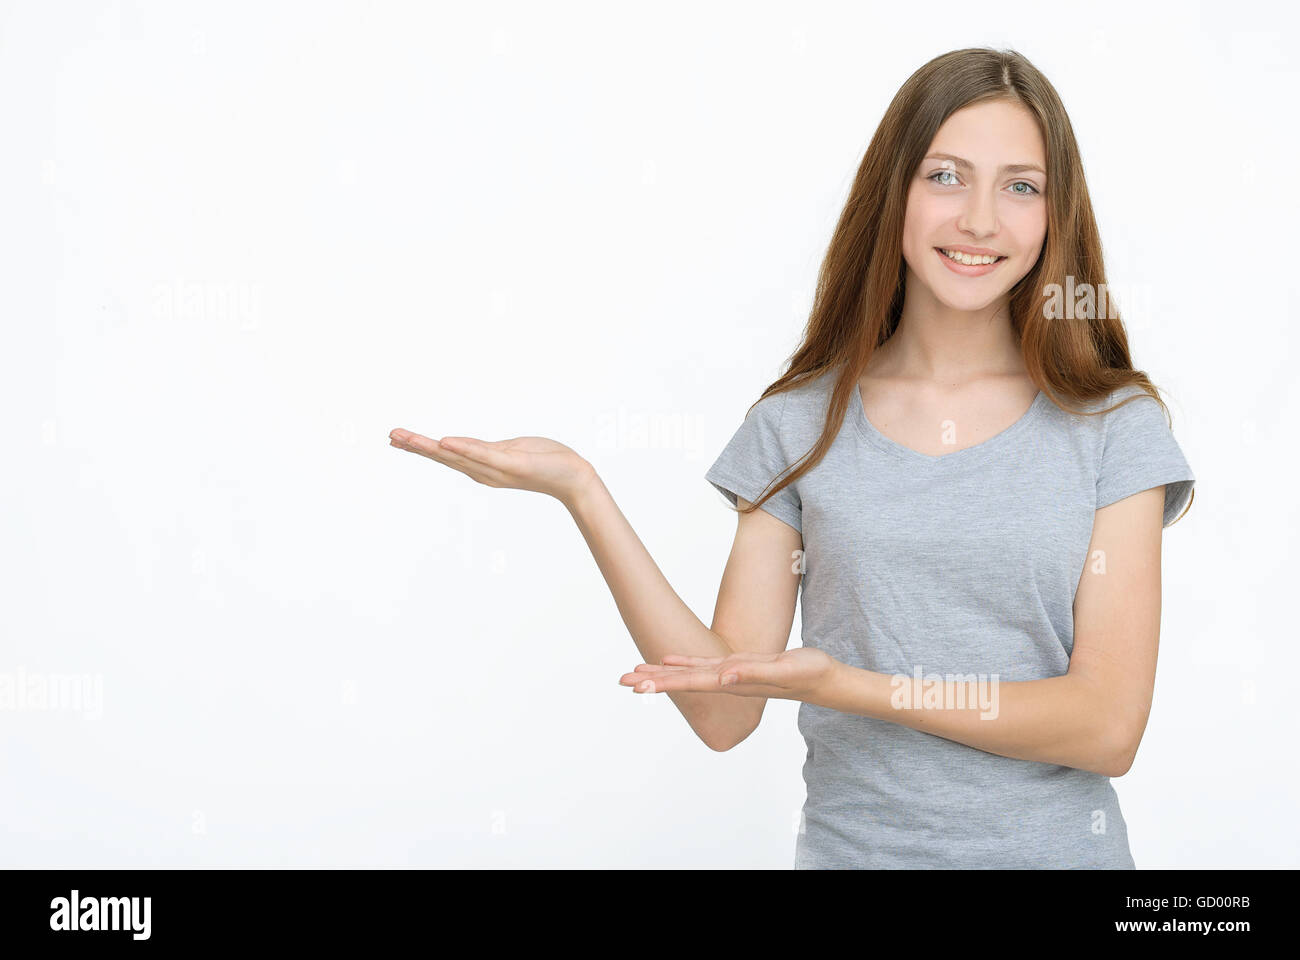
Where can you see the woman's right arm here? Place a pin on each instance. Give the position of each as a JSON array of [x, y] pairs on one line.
[[756, 600], [754, 612]]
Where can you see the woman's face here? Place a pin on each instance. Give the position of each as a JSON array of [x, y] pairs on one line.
[[982, 188]]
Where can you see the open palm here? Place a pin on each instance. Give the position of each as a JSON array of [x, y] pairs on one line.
[[522, 463], [791, 675]]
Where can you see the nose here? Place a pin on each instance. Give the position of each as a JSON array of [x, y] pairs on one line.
[[979, 217]]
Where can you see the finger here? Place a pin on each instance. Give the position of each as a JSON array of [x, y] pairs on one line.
[[704, 683], [436, 450], [410, 440], [479, 451], [670, 666], [657, 667], [647, 671], [425, 446], [699, 681], [638, 679], [688, 661]]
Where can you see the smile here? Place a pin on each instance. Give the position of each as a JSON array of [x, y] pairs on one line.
[[966, 258], [967, 264]]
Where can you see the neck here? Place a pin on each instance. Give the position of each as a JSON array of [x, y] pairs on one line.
[[935, 342]]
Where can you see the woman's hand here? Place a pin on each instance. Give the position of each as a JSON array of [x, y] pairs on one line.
[[798, 674], [524, 463]]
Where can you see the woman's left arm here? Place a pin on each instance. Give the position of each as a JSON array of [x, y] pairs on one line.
[[1091, 718]]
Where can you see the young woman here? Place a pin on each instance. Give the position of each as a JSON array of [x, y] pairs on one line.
[[968, 481]]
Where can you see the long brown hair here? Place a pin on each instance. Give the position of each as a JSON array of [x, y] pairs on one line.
[[859, 295]]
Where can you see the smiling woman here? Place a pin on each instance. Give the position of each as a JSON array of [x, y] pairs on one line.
[[967, 491], [956, 198]]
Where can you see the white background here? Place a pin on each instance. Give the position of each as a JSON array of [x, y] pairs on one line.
[[240, 243]]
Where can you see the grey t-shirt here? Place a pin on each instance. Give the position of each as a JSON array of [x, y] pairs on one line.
[[963, 563]]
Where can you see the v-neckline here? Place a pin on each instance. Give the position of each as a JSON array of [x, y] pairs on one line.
[[974, 453]]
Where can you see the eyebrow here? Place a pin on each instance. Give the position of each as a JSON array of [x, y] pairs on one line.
[[964, 164]]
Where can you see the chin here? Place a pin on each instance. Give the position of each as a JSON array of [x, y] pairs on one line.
[[980, 308], [969, 300]]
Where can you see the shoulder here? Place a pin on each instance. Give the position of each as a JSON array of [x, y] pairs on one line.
[[1138, 451], [1136, 411], [1120, 408], [811, 397], [802, 408], [793, 406], [1118, 424]]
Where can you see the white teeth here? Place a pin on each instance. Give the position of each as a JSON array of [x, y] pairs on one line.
[[967, 259]]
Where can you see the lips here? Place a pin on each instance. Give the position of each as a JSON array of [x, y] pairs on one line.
[[971, 258], [968, 269]]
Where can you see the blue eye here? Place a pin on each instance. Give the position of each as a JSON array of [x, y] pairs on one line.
[[1030, 190]]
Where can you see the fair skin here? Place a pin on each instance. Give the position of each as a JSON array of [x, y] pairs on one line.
[[953, 359]]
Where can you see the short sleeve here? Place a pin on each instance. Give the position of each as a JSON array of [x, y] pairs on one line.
[[755, 456], [1139, 452]]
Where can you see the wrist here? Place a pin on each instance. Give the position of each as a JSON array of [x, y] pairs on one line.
[[850, 689], [585, 487], [831, 691]]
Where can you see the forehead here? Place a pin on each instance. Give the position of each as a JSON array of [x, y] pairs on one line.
[[992, 133]]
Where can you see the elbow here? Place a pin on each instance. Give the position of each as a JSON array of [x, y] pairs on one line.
[[1114, 732], [1121, 746], [721, 730], [721, 744], [723, 740], [1123, 762], [1114, 766]]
